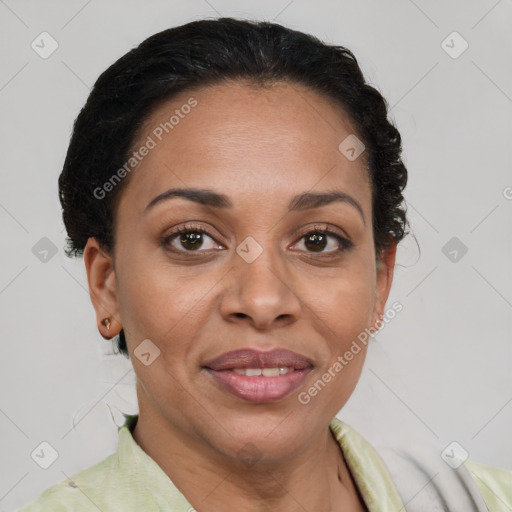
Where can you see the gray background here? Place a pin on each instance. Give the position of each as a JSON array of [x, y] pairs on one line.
[[440, 371]]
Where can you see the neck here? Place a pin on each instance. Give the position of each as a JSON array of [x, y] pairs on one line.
[[316, 478]]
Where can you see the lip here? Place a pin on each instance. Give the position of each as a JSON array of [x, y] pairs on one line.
[[250, 358], [259, 389]]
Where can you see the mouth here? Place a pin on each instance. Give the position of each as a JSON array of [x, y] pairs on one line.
[[256, 376]]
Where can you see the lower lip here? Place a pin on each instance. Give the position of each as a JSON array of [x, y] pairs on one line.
[[259, 389]]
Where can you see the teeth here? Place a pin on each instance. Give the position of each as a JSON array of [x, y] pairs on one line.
[[265, 372], [253, 372]]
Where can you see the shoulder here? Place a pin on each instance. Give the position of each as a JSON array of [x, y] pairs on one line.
[[494, 483], [410, 463], [82, 491]]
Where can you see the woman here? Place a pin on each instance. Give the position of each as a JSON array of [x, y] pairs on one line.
[[235, 189]]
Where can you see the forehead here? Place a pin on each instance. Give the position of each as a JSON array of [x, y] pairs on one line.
[[245, 138]]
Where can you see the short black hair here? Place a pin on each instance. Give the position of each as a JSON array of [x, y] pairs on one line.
[[208, 52]]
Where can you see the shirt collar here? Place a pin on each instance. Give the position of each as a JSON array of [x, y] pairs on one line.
[[365, 465], [368, 470]]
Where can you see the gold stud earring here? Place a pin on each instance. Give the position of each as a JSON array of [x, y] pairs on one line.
[[106, 323]]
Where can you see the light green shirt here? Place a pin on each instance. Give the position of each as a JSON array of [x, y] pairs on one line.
[[129, 480]]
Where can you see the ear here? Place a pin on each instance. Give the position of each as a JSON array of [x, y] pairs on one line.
[[102, 287], [385, 269]]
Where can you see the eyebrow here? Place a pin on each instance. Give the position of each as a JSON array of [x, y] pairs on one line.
[[304, 201]]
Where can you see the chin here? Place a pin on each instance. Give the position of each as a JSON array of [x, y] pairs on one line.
[[276, 433]]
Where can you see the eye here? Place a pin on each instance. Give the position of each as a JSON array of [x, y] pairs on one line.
[[189, 239], [192, 238], [317, 240]]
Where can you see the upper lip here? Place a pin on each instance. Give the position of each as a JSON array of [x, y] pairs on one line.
[[250, 358]]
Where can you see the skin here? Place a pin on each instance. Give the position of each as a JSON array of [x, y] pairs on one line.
[[260, 147]]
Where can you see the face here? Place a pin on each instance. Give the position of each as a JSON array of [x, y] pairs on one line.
[[257, 266]]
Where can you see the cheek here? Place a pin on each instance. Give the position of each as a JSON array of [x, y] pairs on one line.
[[345, 311], [346, 301], [161, 302]]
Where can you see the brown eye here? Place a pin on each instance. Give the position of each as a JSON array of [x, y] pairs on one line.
[[319, 240], [316, 242], [190, 239]]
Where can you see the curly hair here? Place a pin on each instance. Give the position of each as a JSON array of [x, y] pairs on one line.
[[209, 52]]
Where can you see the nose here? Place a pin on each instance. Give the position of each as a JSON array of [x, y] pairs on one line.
[[260, 293]]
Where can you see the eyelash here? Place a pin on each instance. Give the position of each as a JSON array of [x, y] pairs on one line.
[[344, 244]]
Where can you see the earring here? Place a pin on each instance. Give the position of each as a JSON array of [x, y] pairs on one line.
[[106, 323]]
